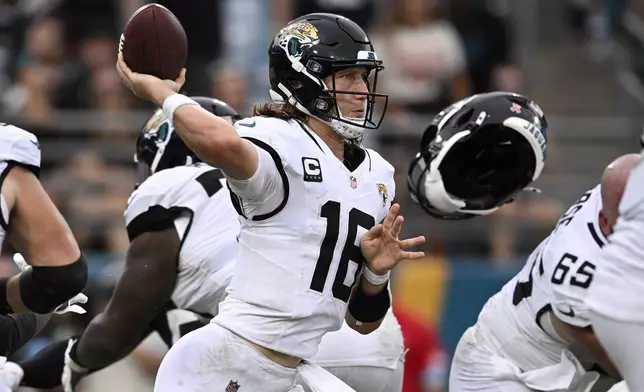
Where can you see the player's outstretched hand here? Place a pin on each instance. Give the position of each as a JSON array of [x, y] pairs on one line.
[[381, 246], [148, 87]]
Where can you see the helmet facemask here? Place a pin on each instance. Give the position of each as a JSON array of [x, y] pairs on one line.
[[327, 105], [324, 99]]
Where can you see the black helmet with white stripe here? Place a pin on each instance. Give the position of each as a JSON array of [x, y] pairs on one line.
[[478, 154], [158, 147], [313, 47]]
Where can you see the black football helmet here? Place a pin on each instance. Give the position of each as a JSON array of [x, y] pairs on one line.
[[315, 46], [158, 147], [478, 154]]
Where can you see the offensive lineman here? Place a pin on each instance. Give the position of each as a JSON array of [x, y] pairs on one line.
[[306, 192], [33, 225], [535, 334], [615, 297]]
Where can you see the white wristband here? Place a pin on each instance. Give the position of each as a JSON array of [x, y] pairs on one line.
[[374, 279], [173, 102]]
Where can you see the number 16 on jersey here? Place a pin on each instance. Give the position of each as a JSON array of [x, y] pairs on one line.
[[350, 252]]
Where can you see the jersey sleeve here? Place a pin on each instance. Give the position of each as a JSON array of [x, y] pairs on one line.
[[19, 146], [149, 209], [266, 191], [570, 278]]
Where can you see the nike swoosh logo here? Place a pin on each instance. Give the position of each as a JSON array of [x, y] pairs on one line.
[[569, 313], [249, 125], [35, 143]]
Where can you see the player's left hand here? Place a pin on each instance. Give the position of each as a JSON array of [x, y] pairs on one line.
[[69, 306], [381, 246]]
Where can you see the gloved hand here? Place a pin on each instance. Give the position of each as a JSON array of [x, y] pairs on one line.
[[69, 306]]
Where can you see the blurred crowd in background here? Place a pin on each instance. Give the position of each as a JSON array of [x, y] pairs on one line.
[[581, 60]]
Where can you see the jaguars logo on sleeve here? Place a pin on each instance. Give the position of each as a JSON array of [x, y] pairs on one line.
[[382, 189], [296, 37]]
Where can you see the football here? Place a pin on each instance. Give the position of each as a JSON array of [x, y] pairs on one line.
[[154, 42]]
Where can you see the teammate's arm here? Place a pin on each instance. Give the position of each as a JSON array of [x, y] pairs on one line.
[[141, 293], [39, 231], [585, 337]]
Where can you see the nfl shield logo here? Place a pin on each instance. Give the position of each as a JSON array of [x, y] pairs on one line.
[[354, 182], [232, 386]]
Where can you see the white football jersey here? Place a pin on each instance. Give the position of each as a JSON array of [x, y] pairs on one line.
[[555, 279], [196, 200], [347, 347], [618, 290], [17, 147], [297, 263]]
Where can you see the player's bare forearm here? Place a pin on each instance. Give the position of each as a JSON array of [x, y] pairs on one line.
[[213, 139], [142, 291], [105, 342], [38, 229]]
